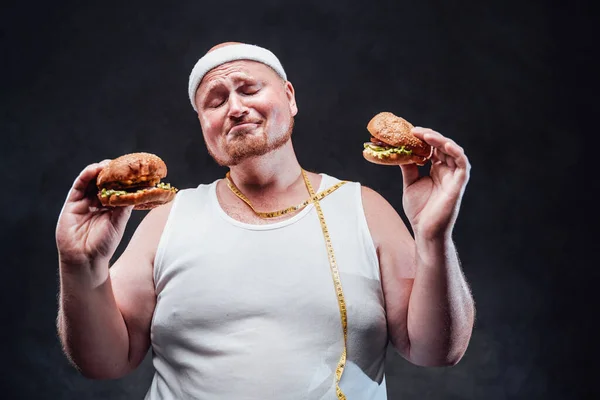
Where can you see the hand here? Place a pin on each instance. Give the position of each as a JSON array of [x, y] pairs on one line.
[[431, 203], [87, 232]]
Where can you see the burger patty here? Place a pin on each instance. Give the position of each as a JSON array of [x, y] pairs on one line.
[[136, 182], [379, 143]]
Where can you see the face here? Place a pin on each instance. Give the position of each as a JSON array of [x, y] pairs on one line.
[[245, 110]]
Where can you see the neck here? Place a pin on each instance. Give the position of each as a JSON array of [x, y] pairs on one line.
[[272, 172]]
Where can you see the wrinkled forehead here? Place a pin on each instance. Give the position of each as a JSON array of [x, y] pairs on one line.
[[230, 52], [236, 70]]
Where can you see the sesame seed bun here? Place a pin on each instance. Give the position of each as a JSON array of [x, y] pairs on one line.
[[395, 131], [131, 169], [132, 179]]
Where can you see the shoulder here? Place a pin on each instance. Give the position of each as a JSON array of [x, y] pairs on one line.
[[372, 200], [144, 241], [375, 205], [391, 236], [157, 217], [383, 220]]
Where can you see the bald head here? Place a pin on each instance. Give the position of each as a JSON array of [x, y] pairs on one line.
[[224, 44]]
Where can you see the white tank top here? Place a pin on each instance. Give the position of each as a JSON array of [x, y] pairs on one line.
[[250, 312]]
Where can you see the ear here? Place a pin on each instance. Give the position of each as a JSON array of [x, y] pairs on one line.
[[290, 94]]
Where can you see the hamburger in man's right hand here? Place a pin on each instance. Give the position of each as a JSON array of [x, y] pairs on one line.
[[392, 142], [134, 179]]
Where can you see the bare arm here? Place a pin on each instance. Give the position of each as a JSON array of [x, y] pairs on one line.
[[90, 326], [441, 313], [104, 314], [429, 306]]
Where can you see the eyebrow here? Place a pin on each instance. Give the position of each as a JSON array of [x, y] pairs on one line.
[[238, 76]]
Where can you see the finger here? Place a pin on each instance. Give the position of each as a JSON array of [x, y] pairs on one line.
[[86, 178], [410, 174], [457, 153], [438, 156], [433, 138], [80, 185], [450, 162], [445, 148], [420, 132]]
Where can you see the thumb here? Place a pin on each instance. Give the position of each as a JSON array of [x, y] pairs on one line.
[[410, 174]]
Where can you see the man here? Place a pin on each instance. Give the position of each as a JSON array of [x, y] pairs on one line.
[[239, 306]]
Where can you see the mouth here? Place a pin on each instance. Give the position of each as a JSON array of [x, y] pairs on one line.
[[244, 127]]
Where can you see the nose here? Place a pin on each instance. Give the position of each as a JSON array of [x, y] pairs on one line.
[[237, 108]]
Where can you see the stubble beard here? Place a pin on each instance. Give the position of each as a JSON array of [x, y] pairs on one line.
[[246, 146]]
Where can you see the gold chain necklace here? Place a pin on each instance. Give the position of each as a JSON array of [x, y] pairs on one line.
[[274, 214], [335, 273]]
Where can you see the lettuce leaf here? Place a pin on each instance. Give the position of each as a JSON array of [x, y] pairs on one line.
[[387, 151]]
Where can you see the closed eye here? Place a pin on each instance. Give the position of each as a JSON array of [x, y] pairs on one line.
[[216, 102], [250, 89]]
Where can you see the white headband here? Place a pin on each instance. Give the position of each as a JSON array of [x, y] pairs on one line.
[[226, 54]]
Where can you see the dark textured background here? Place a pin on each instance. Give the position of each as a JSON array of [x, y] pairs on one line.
[[508, 81]]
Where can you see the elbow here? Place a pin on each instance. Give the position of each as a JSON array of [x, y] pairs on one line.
[[95, 373], [456, 350], [448, 360], [458, 342], [448, 355]]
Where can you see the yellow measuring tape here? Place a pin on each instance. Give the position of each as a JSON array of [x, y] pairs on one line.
[[274, 214], [335, 273]]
